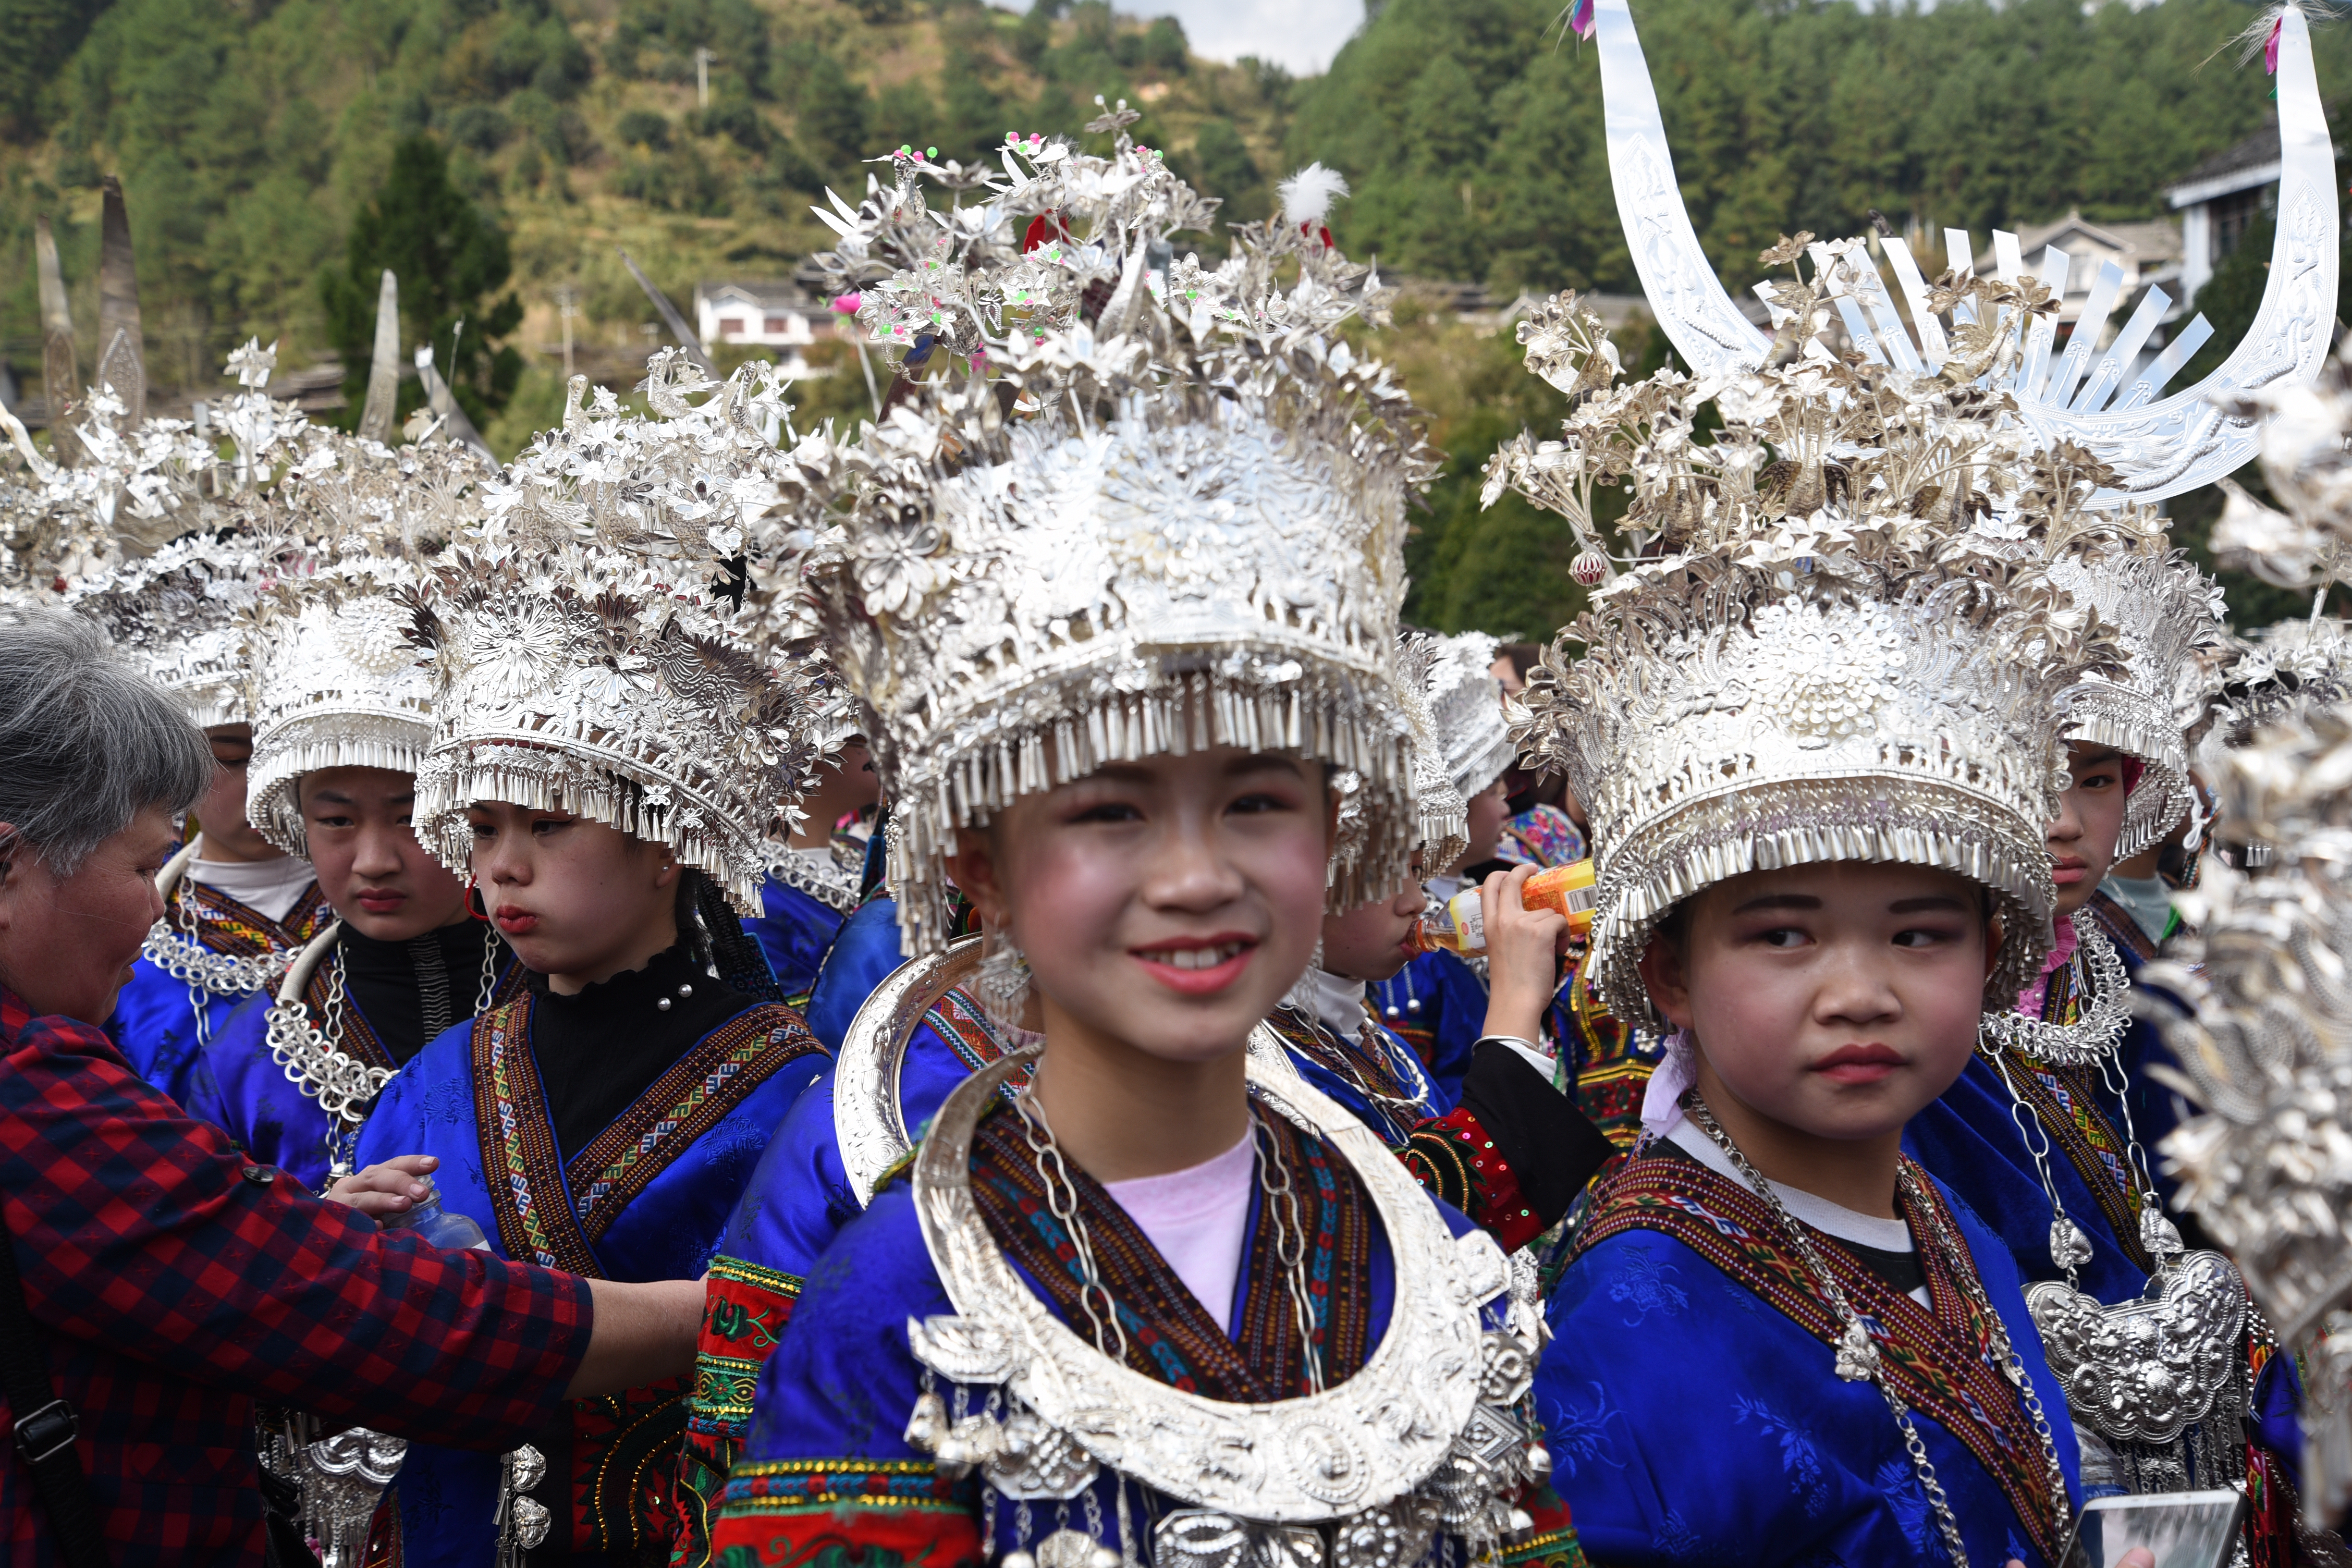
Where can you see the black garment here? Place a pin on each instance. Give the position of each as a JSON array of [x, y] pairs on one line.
[[1901, 1270], [599, 1048], [410, 991], [1550, 1143]]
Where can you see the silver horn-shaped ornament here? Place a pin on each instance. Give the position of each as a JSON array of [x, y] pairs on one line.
[[2161, 445]]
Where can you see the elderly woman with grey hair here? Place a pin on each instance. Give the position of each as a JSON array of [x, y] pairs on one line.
[[156, 1283]]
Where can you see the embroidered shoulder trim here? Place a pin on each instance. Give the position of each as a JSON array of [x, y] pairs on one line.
[[695, 1094]]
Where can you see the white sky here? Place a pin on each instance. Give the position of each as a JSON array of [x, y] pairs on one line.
[[1300, 35]]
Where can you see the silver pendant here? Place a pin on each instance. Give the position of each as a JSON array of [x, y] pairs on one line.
[[343, 1478], [521, 1522], [2069, 1248], [1211, 1538], [1037, 1462], [2142, 1372], [1857, 1353]]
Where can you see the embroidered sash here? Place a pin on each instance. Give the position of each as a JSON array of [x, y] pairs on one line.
[[1169, 1335], [613, 1474], [553, 1214], [1937, 1360]]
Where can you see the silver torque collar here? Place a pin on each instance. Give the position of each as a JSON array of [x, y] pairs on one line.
[[2107, 1014], [1423, 1437], [868, 1126], [821, 875]]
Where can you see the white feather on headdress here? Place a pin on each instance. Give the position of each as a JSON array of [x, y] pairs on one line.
[[1307, 195]]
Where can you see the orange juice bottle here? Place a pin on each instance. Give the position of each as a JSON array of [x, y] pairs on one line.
[[1459, 925]]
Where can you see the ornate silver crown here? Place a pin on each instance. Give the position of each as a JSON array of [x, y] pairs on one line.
[[644, 532], [1801, 657], [1465, 704], [332, 678], [2161, 608], [181, 613], [590, 679], [1181, 525], [334, 683]]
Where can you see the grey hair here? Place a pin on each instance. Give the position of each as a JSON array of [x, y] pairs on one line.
[[89, 742]]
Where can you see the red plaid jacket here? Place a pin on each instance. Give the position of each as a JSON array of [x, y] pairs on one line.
[[183, 1284]]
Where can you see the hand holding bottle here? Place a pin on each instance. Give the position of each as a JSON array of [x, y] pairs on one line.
[[1524, 940], [1459, 925]]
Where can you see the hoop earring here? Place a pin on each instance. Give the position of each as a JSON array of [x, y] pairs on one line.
[[475, 907], [1001, 984]]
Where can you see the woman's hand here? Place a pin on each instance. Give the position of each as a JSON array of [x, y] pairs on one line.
[[1523, 949], [393, 1187]]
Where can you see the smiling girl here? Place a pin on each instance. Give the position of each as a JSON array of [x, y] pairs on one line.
[[1115, 652]]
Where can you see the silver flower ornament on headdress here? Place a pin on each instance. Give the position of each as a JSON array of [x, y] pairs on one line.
[[181, 613], [975, 277], [589, 681]]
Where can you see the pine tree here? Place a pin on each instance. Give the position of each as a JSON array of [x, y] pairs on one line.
[[451, 259]]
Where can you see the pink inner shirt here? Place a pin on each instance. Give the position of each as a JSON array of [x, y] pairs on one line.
[[1197, 1217]]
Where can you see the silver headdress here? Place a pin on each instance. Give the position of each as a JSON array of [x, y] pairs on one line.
[[1465, 703], [2156, 444], [1441, 815], [2161, 608], [592, 650], [1187, 531], [1799, 661], [181, 613], [335, 683], [133, 486], [2267, 1050], [332, 678]]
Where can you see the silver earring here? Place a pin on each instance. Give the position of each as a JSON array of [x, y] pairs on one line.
[[1003, 981]]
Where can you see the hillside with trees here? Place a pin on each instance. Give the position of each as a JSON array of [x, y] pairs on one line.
[[498, 154]]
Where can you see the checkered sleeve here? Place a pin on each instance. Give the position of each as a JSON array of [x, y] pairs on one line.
[[141, 1231]]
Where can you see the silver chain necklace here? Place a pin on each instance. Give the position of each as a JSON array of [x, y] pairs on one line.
[[315, 1062], [2105, 984], [1273, 1175], [1857, 1353]]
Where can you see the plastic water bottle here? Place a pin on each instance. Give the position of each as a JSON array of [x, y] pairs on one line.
[[436, 1224]]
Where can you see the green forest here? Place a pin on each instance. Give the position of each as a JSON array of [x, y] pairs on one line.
[[275, 154]]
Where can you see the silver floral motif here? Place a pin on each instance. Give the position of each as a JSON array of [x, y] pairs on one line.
[[2144, 1371]]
